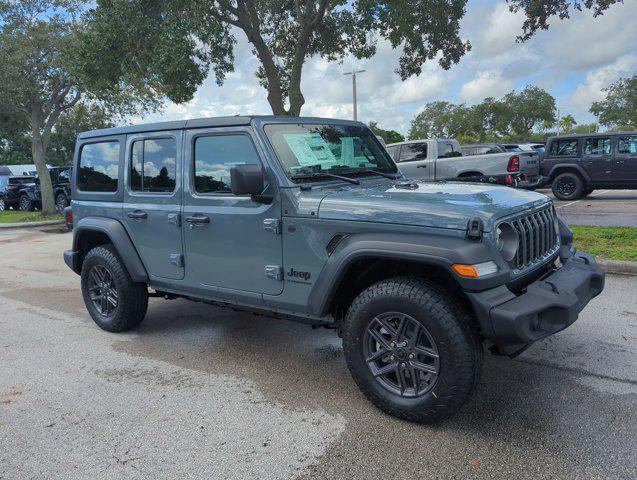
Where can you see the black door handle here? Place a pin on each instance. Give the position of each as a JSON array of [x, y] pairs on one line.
[[197, 220], [421, 166], [137, 215]]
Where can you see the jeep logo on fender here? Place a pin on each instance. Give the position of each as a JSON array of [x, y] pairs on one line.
[[296, 274]]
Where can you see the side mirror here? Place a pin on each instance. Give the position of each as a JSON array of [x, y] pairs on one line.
[[249, 180]]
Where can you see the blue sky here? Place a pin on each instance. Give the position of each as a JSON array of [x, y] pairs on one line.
[[574, 60]]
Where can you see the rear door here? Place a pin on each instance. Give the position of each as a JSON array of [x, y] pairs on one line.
[[625, 165], [597, 158], [152, 201], [413, 162]]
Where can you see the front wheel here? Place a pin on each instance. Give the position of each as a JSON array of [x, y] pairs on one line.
[[3, 206], [26, 205], [115, 302], [568, 186], [411, 350]]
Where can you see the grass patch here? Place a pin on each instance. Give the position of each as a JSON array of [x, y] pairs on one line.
[[611, 243], [16, 216]]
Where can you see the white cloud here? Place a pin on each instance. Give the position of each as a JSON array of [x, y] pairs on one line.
[[485, 84], [596, 80], [502, 29]]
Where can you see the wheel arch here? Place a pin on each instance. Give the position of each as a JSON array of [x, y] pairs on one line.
[[91, 232], [568, 168]]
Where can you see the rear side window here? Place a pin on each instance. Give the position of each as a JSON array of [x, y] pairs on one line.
[[446, 149], [412, 152], [597, 146], [99, 167], [627, 144], [153, 165], [564, 148], [215, 156]]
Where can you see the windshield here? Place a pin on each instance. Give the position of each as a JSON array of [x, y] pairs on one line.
[[310, 150]]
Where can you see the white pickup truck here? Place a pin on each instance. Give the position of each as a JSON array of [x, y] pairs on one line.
[[442, 159]]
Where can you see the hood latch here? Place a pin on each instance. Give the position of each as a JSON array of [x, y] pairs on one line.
[[475, 228]]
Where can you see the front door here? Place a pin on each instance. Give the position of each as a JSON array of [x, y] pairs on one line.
[[597, 158], [231, 241], [413, 163], [625, 170], [152, 201]]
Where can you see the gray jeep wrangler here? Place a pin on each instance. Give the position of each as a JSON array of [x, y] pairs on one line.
[[309, 219]]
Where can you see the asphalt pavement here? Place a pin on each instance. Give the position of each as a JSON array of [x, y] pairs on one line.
[[602, 208], [203, 392]]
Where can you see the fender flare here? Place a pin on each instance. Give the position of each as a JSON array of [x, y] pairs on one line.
[[568, 166], [116, 232], [428, 249]]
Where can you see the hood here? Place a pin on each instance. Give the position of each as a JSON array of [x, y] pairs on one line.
[[430, 204]]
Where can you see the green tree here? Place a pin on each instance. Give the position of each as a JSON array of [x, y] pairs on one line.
[[567, 122], [538, 13], [46, 72], [390, 136], [528, 109], [158, 37], [619, 109]]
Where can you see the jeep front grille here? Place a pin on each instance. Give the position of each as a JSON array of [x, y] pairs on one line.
[[537, 238]]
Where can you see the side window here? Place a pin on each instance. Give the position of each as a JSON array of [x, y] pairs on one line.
[[627, 145], [153, 165], [392, 151], [597, 146], [445, 149], [564, 148], [412, 152], [99, 167], [215, 155]]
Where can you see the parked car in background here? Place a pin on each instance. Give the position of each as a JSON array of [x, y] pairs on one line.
[[29, 196], [11, 188], [442, 159], [524, 147], [481, 148], [27, 170], [575, 165]]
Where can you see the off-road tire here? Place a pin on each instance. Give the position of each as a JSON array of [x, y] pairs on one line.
[[453, 330], [26, 205], [3, 206], [132, 300], [574, 181], [61, 202]]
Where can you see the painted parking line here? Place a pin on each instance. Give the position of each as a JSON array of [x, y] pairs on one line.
[[576, 201]]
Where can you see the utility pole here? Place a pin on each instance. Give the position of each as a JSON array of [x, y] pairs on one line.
[[353, 74]]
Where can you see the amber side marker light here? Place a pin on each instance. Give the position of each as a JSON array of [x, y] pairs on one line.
[[475, 271]]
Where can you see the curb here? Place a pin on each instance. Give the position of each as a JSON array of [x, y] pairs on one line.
[[618, 267], [31, 224]]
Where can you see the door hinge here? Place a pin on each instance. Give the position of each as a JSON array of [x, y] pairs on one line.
[[272, 225], [175, 219], [274, 271], [177, 259]]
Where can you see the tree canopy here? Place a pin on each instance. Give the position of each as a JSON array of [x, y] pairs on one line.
[[390, 136], [619, 109]]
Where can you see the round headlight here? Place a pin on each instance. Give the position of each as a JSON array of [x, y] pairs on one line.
[[507, 241]]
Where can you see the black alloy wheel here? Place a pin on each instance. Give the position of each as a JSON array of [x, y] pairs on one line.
[[401, 354], [102, 290]]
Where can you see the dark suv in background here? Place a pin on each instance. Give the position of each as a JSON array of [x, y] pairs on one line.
[[575, 165], [27, 195]]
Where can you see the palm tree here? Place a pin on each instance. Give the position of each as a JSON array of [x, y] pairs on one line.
[[567, 122]]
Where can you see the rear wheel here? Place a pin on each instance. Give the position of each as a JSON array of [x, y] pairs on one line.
[[411, 350], [26, 205], [61, 202], [2, 205], [115, 302], [568, 186]]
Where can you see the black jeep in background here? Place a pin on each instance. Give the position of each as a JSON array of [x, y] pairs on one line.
[[575, 165], [11, 188], [23, 192]]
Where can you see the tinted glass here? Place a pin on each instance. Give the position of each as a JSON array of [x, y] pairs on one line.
[[392, 151], [412, 152], [215, 156], [597, 146], [312, 149], [564, 148], [153, 165], [627, 145], [445, 149], [99, 167]]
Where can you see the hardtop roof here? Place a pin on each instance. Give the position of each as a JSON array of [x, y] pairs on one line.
[[233, 121], [598, 134]]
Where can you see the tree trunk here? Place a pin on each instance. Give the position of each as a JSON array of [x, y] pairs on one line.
[[38, 150]]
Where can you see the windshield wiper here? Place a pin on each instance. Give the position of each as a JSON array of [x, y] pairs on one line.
[[302, 176], [371, 170]]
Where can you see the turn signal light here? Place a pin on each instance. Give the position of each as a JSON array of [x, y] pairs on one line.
[[466, 270], [475, 271]]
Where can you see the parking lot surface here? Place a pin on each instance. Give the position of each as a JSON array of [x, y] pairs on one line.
[[202, 392], [602, 208]]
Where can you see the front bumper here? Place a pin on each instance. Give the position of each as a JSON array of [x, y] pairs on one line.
[[546, 306]]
